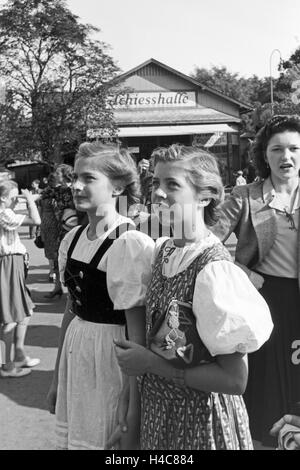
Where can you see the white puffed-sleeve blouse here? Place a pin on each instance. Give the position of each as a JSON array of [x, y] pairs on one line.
[[10, 243], [127, 263], [231, 315]]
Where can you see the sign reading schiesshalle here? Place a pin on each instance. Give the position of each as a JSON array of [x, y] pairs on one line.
[[178, 99]]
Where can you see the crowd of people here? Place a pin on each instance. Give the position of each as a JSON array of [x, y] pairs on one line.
[[166, 343]]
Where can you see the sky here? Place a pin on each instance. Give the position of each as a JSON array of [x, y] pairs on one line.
[[184, 34]]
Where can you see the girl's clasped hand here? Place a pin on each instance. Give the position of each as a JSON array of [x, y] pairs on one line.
[[133, 358]]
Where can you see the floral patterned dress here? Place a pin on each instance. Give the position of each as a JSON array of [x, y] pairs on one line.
[[175, 418], [50, 229], [63, 199]]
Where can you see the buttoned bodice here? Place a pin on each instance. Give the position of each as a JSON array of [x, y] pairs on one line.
[[88, 287]]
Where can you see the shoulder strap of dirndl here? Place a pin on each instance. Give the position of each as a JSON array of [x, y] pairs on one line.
[[217, 252], [122, 228], [74, 241]]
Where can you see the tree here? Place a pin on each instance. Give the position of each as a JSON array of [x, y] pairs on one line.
[[248, 90], [253, 90], [14, 136], [59, 78], [220, 79], [288, 85]]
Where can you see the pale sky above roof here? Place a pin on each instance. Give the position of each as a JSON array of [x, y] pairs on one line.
[[184, 34], [187, 33]]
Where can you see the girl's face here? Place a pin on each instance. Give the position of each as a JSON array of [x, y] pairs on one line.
[[283, 155], [59, 176], [172, 195], [11, 199], [91, 188]]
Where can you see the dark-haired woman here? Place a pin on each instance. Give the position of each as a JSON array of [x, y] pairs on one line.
[[265, 218]]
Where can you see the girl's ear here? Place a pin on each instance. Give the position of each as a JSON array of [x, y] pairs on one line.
[[203, 202], [117, 191], [3, 198]]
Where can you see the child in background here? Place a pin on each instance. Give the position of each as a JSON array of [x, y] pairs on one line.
[[35, 189], [240, 180], [15, 302]]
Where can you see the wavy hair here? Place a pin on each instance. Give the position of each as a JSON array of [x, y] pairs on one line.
[[202, 172], [276, 125], [65, 171], [115, 163], [6, 186]]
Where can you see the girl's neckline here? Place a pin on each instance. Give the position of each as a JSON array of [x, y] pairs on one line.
[[105, 234], [209, 241], [192, 244]]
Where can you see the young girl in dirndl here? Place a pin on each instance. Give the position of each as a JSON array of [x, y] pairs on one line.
[[106, 267], [198, 407]]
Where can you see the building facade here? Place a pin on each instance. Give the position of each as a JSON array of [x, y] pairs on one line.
[[158, 106]]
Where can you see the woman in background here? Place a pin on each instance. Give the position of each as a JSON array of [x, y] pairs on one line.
[[264, 216], [50, 231]]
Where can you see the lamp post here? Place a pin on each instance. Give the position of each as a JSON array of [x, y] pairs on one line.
[[2, 91], [271, 78]]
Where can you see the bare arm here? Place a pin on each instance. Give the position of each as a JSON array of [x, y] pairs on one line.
[[136, 326], [126, 434], [33, 217], [228, 374], [67, 318]]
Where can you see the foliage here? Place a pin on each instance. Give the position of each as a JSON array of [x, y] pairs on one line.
[[257, 91], [59, 78], [248, 90]]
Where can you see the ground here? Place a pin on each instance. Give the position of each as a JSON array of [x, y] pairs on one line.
[[28, 424]]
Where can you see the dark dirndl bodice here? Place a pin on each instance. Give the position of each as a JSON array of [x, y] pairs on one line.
[[87, 284]]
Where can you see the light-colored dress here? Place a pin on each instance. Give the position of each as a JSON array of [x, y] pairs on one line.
[[10, 243], [15, 301], [231, 316], [90, 379]]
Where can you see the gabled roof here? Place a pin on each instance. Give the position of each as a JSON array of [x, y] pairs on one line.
[[125, 75]]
